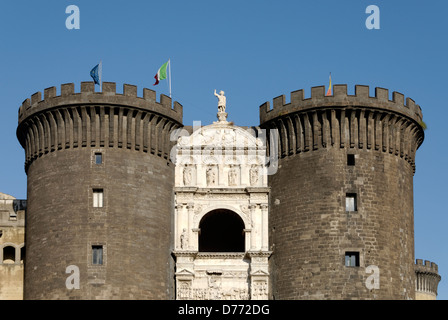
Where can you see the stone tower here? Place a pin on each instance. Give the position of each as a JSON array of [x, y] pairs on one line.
[[341, 203], [100, 193], [427, 280]]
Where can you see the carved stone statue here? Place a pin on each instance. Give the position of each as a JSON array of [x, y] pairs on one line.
[[210, 175], [221, 101], [184, 239], [232, 177], [187, 176], [222, 115], [213, 283], [253, 175]]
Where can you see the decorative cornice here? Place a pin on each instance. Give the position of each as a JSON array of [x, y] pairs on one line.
[[220, 255]]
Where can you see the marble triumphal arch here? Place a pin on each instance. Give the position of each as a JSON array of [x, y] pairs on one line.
[[221, 213]]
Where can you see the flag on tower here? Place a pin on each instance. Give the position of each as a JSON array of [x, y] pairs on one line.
[[96, 74], [329, 88], [161, 73]]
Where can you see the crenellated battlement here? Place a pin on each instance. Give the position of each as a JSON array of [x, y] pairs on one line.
[[340, 98], [346, 121], [427, 279], [97, 119], [108, 96], [428, 266]]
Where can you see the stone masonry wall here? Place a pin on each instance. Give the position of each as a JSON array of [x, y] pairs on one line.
[[12, 253], [311, 231], [61, 136]]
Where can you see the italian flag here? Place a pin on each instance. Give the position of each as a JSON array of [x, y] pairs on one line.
[[161, 73], [329, 88]]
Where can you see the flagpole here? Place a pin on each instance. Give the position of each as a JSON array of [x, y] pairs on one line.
[[101, 76], [169, 62]]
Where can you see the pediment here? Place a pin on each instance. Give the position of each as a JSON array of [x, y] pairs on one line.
[[185, 272], [221, 135], [259, 273]]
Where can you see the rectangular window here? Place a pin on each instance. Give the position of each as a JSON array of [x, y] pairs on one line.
[[350, 159], [350, 202], [98, 198], [98, 158], [352, 259], [97, 255]]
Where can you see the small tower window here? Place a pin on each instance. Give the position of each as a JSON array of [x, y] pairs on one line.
[[350, 159], [9, 254], [98, 158], [97, 254], [350, 202], [98, 198], [352, 259]]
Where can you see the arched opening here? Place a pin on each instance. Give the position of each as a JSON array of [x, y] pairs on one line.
[[9, 254], [221, 231]]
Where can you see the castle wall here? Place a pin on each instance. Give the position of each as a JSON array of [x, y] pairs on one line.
[[311, 229], [12, 237], [132, 225]]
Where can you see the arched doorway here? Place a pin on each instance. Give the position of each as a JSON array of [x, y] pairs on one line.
[[222, 230]]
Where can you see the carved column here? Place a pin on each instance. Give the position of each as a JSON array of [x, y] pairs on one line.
[[254, 233], [180, 223], [264, 227], [190, 212]]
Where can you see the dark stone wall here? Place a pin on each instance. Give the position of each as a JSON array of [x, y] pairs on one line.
[[311, 230], [134, 225], [61, 135]]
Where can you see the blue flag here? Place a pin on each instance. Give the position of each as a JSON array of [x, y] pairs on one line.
[[95, 74]]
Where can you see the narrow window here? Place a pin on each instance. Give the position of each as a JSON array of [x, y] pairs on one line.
[[98, 158], [97, 198], [97, 254], [13, 216], [350, 159], [350, 202], [22, 254], [352, 259]]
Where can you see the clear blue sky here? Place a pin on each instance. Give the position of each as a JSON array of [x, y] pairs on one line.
[[254, 51]]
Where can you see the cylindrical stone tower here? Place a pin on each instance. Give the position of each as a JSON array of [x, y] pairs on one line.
[[341, 208], [100, 193]]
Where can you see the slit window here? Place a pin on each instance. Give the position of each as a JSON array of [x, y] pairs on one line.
[[350, 202], [352, 259], [98, 197], [97, 255], [350, 159], [22, 254], [98, 158]]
